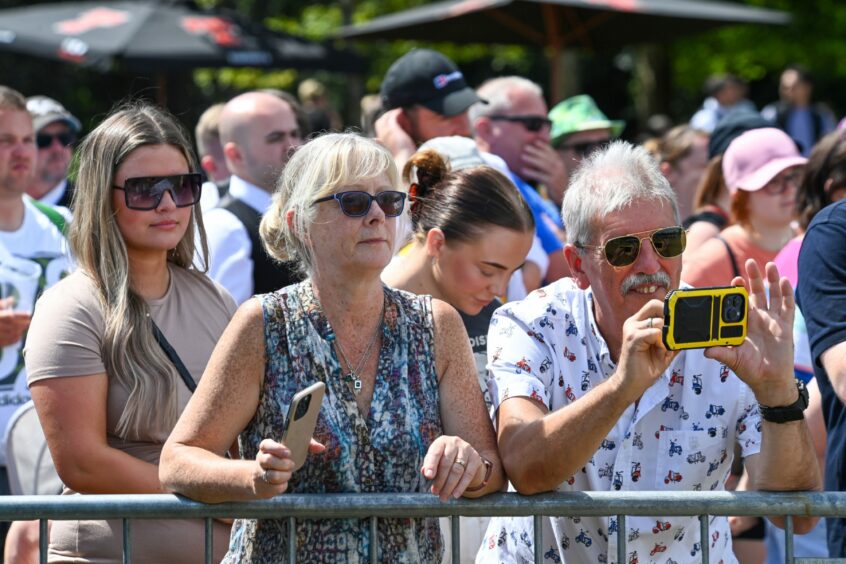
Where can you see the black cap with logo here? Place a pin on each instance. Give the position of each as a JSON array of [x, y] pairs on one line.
[[427, 78]]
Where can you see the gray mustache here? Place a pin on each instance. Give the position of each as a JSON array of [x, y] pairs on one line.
[[660, 278]]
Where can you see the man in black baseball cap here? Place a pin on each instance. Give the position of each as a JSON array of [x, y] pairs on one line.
[[425, 96]]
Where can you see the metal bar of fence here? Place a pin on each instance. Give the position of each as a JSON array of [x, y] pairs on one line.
[[788, 539], [127, 542], [357, 506], [455, 535], [43, 537], [209, 540], [292, 539], [621, 538], [374, 540], [335, 506], [537, 523]]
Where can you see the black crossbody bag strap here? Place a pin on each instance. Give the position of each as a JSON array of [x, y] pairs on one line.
[[174, 358], [734, 267]]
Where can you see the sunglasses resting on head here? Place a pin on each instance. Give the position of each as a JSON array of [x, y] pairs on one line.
[[146, 192], [622, 251], [356, 203]]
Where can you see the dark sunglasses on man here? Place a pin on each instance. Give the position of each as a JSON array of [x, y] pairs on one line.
[[146, 192], [356, 203], [44, 140], [531, 123], [622, 251], [582, 150]]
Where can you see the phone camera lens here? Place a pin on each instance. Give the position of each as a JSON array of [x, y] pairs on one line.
[[302, 407], [733, 307]]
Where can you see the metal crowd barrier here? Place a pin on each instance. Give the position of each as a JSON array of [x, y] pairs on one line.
[[377, 506]]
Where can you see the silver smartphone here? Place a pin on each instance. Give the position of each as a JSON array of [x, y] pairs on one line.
[[301, 420]]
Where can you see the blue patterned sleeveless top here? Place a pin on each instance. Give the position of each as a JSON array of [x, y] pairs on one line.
[[380, 453]]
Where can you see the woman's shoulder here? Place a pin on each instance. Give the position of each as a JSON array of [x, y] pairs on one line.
[[75, 292]]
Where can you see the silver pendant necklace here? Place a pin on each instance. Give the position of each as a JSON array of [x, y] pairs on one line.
[[353, 375]]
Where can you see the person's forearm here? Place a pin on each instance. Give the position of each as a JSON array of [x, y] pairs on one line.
[[205, 476], [539, 455], [787, 462], [106, 470]]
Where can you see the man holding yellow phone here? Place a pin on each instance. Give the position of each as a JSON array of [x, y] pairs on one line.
[[614, 409]]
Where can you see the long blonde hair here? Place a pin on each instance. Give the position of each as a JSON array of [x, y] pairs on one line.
[[130, 352]]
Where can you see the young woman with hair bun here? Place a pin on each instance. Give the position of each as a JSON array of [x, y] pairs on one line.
[[471, 230]]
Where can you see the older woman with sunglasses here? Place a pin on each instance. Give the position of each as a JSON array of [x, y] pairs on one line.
[[403, 411], [115, 348], [762, 169]]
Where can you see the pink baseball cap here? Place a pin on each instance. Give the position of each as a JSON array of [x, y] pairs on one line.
[[756, 157]]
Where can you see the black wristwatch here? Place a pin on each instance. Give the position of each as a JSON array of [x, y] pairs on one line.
[[793, 412]]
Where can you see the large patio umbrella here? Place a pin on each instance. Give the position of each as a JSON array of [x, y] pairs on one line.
[[158, 36], [559, 24]]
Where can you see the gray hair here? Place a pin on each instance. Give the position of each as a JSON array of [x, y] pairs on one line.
[[497, 92], [609, 180]]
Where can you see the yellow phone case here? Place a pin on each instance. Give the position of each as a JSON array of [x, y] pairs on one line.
[[697, 318]]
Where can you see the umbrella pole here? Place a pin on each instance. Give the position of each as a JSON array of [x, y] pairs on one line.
[[161, 89], [553, 49]]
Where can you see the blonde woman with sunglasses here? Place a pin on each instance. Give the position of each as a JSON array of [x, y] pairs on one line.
[[106, 391], [402, 412]]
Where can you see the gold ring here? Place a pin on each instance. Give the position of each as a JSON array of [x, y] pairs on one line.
[[461, 462]]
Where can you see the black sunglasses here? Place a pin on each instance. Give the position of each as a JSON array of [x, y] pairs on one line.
[[622, 251], [44, 140], [355, 203], [146, 192], [583, 149], [531, 123]]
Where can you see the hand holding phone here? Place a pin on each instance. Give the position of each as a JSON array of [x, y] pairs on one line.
[[698, 318], [301, 420]]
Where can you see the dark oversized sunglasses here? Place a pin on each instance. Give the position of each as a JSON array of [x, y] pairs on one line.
[[531, 123], [622, 251], [355, 203], [146, 192], [44, 140]]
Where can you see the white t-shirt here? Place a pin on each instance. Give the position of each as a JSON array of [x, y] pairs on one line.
[[33, 258]]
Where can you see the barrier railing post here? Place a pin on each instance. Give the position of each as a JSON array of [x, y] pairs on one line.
[[292, 539], [456, 538], [537, 525], [788, 539], [43, 539], [209, 540], [621, 539], [704, 538], [374, 540], [127, 542]]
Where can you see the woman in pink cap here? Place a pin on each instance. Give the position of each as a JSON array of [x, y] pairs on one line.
[[762, 169]]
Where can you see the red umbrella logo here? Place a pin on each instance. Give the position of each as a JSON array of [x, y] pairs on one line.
[[221, 31], [92, 19]]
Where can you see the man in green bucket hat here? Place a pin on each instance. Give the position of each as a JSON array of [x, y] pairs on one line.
[[579, 127]]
